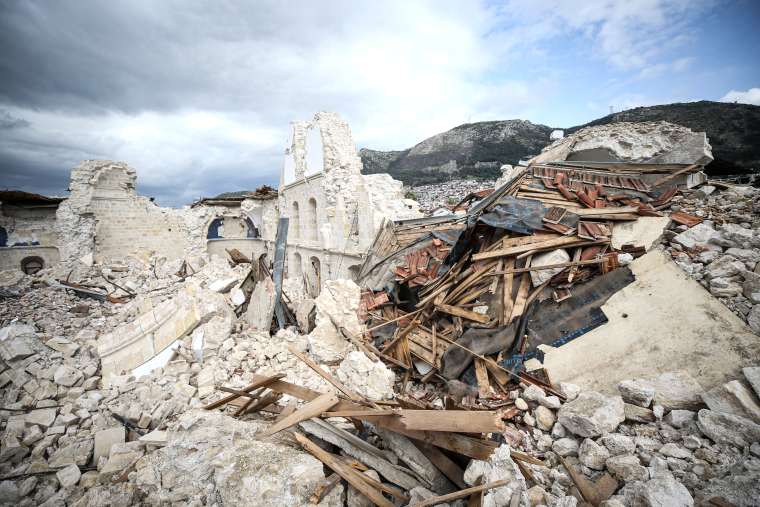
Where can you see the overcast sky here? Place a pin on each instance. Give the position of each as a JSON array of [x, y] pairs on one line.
[[197, 96]]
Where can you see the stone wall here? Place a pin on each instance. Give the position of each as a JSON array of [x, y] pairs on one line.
[[334, 210], [29, 225], [105, 216], [12, 257]]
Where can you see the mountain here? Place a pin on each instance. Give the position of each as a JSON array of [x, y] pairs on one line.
[[472, 149], [479, 149], [733, 130]]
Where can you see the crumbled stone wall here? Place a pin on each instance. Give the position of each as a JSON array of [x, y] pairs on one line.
[[350, 207], [106, 217]]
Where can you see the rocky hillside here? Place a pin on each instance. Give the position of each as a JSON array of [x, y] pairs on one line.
[[479, 149], [733, 130], [472, 149]]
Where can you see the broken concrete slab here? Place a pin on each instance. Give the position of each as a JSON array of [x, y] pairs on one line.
[[663, 321], [261, 305], [728, 429], [105, 439], [699, 235], [643, 232], [592, 414], [558, 256], [733, 398], [62, 345], [15, 342]]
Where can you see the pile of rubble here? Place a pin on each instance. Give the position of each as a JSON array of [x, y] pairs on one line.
[[211, 382], [722, 250], [446, 195]]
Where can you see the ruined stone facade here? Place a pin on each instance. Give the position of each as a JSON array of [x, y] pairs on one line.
[[27, 230], [334, 210]]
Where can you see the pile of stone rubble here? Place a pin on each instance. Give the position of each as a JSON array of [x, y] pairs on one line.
[[722, 252], [438, 195], [73, 432]]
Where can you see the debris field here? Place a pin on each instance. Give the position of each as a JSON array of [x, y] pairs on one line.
[[584, 334]]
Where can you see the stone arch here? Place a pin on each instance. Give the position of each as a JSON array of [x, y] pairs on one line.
[[315, 276], [311, 216], [30, 265], [215, 229], [251, 231], [295, 268], [294, 229]]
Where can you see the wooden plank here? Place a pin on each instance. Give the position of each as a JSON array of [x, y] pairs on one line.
[[442, 462], [435, 500], [395, 492], [551, 243], [458, 421], [260, 381], [313, 408], [496, 371], [350, 475], [461, 312], [585, 212], [324, 488], [481, 373], [260, 404], [522, 297], [461, 444], [506, 292], [289, 409], [359, 413]]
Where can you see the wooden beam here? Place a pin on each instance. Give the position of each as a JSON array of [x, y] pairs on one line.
[[460, 444], [260, 381], [551, 243], [442, 462], [259, 404], [457, 421], [481, 373], [324, 488], [313, 408], [465, 314], [360, 413], [435, 500], [349, 474]]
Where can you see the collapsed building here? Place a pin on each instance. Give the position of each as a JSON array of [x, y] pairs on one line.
[[584, 333]]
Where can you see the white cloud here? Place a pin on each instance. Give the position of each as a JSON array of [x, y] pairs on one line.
[[197, 96], [751, 96], [629, 35]]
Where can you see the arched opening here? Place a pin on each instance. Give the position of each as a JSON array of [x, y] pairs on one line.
[[251, 231], [314, 152], [3, 237], [215, 229], [30, 265], [294, 229], [315, 277], [353, 272], [295, 270], [312, 220]]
